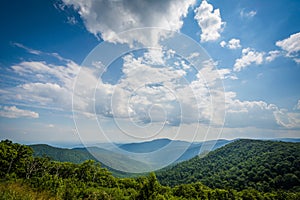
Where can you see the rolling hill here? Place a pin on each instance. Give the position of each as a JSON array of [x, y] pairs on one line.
[[79, 155], [242, 164], [185, 150], [148, 155]]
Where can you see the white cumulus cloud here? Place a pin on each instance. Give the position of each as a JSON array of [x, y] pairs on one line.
[[258, 114], [272, 55], [155, 86], [249, 56], [287, 119], [210, 21], [223, 43], [232, 44], [14, 112], [291, 46], [108, 18], [226, 73], [44, 84]]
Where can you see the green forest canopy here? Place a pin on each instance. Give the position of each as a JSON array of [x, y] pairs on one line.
[[261, 165], [26, 177]]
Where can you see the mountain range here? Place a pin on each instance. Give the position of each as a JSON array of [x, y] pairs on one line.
[[120, 158], [120, 161]]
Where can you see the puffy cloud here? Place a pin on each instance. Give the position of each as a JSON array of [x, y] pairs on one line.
[[46, 94], [43, 85], [272, 55], [108, 18], [241, 114], [290, 120], [154, 56], [210, 21], [249, 56], [155, 86], [226, 74], [232, 44], [258, 114], [223, 43], [147, 93], [42, 72], [152, 88], [291, 45], [209, 92], [14, 112]]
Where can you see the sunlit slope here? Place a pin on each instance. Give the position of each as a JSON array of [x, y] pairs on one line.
[[263, 165]]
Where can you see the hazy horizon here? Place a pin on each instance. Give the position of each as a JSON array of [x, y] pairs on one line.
[[71, 145]]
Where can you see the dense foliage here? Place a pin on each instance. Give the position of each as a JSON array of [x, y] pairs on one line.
[[61, 154], [114, 159], [261, 165], [26, 177], [76, 155]]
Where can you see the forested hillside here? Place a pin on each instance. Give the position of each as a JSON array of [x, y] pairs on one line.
[[79, 155], [26, 177], [61, 154], [261, 165], [124, 161]]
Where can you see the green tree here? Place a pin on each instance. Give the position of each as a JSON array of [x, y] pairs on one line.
[[149, 187], [14, 158]]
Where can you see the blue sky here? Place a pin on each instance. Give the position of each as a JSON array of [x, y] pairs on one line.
[[238, 73]]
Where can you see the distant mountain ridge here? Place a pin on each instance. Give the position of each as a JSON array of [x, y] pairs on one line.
[[146, 147], [124, 162], [79, 155], [286, 139]]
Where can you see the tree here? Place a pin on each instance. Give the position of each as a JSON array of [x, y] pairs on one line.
[[13, 158], [149, 187]]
